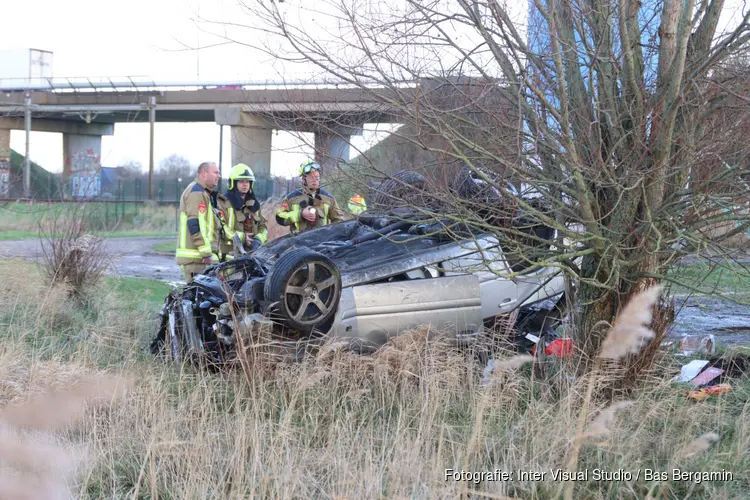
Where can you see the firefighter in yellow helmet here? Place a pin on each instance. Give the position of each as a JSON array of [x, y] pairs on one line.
[[356, 204], [240, 214], [196, 245], [310, 206]]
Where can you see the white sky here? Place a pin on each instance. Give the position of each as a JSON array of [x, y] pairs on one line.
[[155, 39]]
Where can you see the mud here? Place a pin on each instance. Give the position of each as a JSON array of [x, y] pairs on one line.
[[728, 321], [130, 257]]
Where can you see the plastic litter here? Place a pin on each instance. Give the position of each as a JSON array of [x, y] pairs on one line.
[[706, 376], [559, 348], [690, 370], [697, 344], [699, 374], [487, 372], [706, 392]]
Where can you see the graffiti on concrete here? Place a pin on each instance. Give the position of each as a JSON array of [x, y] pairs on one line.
[[4, 178], [84, 168]]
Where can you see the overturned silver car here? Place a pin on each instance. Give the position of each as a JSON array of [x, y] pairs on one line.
[[361, 281]]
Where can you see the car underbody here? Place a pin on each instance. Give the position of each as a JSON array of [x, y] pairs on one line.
[[362, 281]]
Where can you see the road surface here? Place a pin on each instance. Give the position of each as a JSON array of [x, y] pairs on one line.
[[133, 257]]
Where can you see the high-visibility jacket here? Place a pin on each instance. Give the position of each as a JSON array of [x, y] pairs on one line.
[[240, 215], [356, 205], [290, 211], [197, 225]]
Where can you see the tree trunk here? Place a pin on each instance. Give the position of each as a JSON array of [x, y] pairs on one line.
[[597, 306], [600, 306]]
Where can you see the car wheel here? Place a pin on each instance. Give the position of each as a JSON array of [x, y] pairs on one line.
[[393, 193], [466, 187], [307, 287]]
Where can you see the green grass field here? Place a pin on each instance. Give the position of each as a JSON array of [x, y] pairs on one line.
[[729, 279], [166, 247], [139, 294], [24, 220]]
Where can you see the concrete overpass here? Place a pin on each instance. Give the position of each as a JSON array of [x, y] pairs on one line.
[[84, 112]]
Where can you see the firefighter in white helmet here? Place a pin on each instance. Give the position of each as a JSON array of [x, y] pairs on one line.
[[311, 206]]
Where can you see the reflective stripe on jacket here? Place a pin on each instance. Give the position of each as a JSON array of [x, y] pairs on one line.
[[240, 222], [290, 211], [356, 208], [197, 225]]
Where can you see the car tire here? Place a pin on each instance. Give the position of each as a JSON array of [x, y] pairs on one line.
[[392, 192], [304, 301], [465, 188]]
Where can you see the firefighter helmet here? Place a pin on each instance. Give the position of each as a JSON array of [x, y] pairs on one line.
[[308, 167], [241, 172]]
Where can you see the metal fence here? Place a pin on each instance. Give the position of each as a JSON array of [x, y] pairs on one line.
[[169, 190], [131, 190], [121, 200]]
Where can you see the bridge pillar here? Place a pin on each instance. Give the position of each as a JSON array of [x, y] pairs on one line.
[[82, 164], [252, 146], [332, 145], [251, 140], [4, 163], [78, 139]]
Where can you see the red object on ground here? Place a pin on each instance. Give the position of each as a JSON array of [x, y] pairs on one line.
[[559, 348], [701, 394]]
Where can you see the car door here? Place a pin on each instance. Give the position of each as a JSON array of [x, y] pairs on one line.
[[369, 315], [541, 284], [499, 295]]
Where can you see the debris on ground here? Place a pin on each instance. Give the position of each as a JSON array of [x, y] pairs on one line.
[[704, 393], [712, 376], [697, 344], [706, 376], [691, 370], [559, 348]]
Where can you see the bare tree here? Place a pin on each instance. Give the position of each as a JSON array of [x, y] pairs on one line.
[[175, 166], [606, 107]]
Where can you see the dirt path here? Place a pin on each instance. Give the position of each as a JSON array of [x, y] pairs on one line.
[[727, 321], [132, 257]]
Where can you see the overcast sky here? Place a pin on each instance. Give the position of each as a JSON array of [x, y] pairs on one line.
[[157, 39]]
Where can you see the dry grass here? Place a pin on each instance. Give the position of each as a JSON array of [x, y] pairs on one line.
[[71, 255], [631, 330], [38, 463], [345, 426]]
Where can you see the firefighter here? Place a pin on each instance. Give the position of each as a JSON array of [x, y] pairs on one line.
[[309, 207], [240, 214], [196, 244], [356, 204]]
